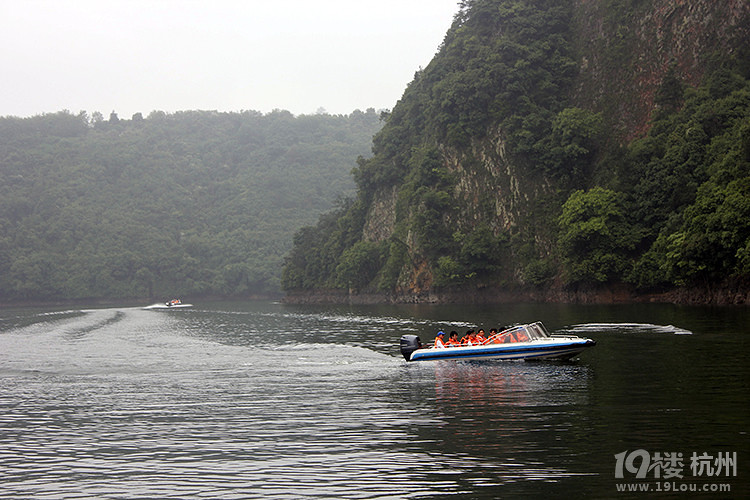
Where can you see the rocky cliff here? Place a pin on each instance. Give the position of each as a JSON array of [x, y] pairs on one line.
[[480, 187], [625, 50]]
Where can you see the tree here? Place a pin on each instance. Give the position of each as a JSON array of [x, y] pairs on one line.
[[359, 265], [595, 236], [715, 237], [575, 139]]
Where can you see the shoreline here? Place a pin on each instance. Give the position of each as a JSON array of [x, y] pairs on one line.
[[126, 302], [726, 296]]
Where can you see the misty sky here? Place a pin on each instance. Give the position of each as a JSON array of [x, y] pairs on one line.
[[134, 56]]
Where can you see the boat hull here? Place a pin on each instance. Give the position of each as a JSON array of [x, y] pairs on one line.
[[537, 349]]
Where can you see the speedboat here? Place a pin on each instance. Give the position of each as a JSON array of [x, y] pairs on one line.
[[530, 341], [172, 304]]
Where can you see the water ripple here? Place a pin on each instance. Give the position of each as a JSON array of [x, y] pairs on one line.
[[125, 403]]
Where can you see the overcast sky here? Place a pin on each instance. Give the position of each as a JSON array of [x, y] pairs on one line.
[[134, 56]]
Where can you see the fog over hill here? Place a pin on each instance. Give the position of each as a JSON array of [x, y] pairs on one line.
[[182, 204]]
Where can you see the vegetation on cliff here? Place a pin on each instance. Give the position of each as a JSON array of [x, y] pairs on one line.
[[188, 203], [494, 170]]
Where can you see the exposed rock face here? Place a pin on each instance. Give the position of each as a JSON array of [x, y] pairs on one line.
[[381, 216], [625, 55]]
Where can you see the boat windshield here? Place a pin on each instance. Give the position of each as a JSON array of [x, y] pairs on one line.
[[520, 333], [538, 329]]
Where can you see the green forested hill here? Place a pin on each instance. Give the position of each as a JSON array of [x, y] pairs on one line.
[[550, 148], [173, 204]]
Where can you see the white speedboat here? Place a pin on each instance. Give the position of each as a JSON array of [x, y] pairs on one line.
[[172, 304], [531, 341]]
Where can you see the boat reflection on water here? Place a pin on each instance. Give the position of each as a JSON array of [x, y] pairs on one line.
[[505, 415]]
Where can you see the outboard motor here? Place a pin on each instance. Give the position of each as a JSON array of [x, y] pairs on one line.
[[409, 344]]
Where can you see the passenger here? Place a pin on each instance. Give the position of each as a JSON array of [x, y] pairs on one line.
[[453, 339], [439, 340], [470, 339], [492, 337], [480, 336]]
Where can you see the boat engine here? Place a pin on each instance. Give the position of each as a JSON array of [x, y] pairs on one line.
[[409, 344]]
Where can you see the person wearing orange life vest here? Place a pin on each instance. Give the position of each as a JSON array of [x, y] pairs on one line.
[[480, 336], [453, 340], [470, 339], [493, 337], [465, 338], [439, 340]]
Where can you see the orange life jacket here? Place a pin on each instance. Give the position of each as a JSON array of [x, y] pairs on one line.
[[439, 343]]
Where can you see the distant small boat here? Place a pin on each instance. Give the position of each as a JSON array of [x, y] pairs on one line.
[[171, 304], [531, 341]]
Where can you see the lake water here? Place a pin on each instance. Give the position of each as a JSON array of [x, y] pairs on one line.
[[259, 399]]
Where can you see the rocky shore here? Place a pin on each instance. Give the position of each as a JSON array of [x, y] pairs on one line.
[[726, 295]]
